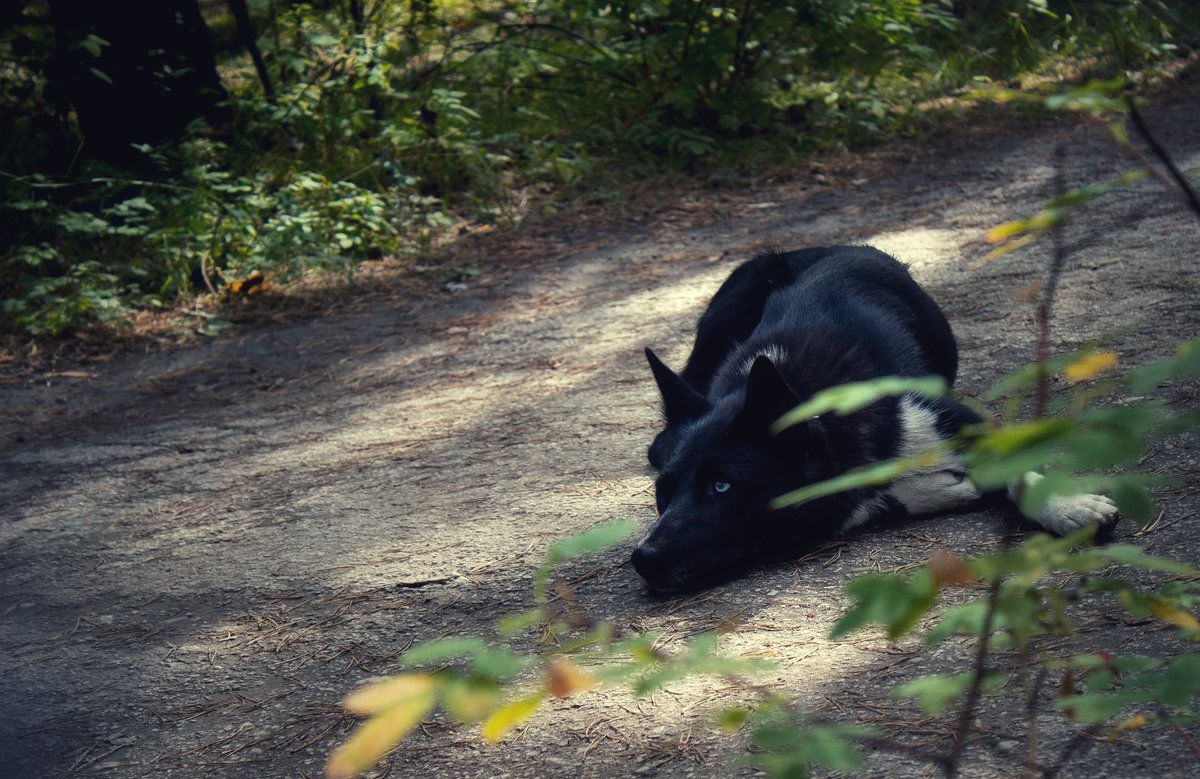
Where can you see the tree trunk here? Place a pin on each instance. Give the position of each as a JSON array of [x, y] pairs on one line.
[[136, 72], [245, 30]]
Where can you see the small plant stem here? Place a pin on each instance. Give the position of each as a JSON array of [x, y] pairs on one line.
[[1183, 734], [1046, 304], [1079, 739], [887, 745], [963, 728], [1032, 687], [1187, 193]]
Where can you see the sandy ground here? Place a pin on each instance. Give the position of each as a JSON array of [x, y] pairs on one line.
[[204, 548]]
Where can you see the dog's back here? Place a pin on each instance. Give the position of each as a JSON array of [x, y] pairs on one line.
[[831, 314], [850, 314]]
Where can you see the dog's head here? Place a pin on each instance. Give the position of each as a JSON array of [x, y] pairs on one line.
[[721, 468]]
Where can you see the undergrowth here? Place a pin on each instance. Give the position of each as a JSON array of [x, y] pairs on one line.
[[1015, 614], [373, 127]]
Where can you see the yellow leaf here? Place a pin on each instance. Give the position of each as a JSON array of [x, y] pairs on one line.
[[375, 737], [1119, 133], [508, 717], [1017, 436], [1007, 230], [248, 286], [1174, 615], [1011, 246], [374, 698], [1089, 365], [565, 679], [1133, 723]]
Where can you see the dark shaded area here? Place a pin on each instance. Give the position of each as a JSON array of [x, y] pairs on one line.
[[137, 72]]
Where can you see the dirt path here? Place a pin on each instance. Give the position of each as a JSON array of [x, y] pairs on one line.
[[204, 549]]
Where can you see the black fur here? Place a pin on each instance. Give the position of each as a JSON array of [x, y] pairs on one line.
[[782, 327]]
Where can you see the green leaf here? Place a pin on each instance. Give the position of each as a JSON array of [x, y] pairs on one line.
[[470, 700], [829, 746], [595, 540], [82, 223], [935, 693], [849, 398], [1033, 499], [442, 649], [1185, 363], [700, 657], [517, 623], [1133, 500], [864, 476], [92, 44], [1090, 449], [1091, 708], [1027, 375], [733, 719], [888, 600], [1136, 557], [1020, 436], [498, 663], [1181, 680], [960, 620]]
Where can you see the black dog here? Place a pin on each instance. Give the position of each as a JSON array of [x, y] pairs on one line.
[[782, 327]]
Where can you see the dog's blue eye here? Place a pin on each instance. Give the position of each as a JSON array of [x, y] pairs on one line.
[[721, 486]]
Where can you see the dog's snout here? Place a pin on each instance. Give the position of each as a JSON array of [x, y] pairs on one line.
[[656, 569], [647, 559]]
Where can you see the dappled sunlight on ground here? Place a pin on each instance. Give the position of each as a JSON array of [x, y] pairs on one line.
[[207, 548]]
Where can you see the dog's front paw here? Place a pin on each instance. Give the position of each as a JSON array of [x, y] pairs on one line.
[[1065, 515]]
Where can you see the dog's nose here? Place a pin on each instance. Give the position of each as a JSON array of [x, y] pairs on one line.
[[646, 560]]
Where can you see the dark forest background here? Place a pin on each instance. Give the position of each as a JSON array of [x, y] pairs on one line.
[[155, 151]]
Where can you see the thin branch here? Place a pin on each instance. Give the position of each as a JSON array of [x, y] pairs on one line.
[[1046, 304], [1033, 687], [1183, 734], [1181, 181], [246, 34], [1079, 739], [888, 745], [950, 767]]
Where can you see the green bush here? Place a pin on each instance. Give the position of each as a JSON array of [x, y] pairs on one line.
[[380, 126]]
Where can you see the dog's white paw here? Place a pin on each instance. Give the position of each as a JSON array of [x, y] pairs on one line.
[[1065, 515]]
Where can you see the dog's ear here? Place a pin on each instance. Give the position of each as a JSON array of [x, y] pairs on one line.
[[681, 403], [768, 396]]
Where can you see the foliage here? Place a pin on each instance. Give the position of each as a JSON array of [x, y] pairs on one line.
[[384, 118], [1014, 623], [478, 680], [483, 682]]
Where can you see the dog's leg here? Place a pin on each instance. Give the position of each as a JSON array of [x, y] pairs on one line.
[[935, 491], [946, 486], [1064, 514], [948, 489]]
